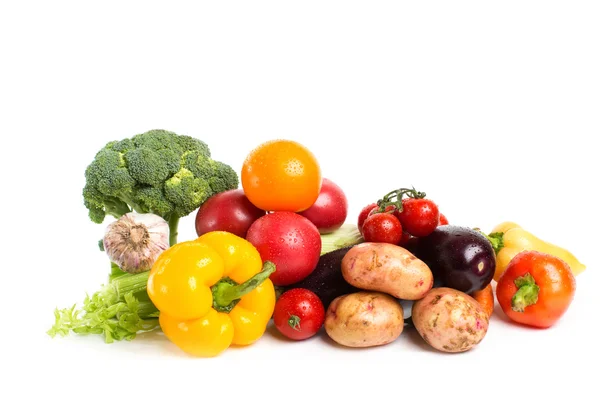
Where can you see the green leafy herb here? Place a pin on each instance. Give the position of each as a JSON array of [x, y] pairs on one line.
[[116, 316]]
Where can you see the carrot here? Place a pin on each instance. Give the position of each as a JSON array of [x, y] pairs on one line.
[[485, 297]]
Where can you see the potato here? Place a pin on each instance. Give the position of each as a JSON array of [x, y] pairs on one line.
[[364, 319], [450, 320], [387, 268]]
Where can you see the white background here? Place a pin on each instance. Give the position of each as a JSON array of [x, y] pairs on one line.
[[489, 108]]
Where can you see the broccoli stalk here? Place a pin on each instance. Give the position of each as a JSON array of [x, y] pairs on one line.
[[156, 172], [173, 231]]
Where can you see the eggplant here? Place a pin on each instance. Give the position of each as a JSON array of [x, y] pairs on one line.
[[326, 280], [460, 258]]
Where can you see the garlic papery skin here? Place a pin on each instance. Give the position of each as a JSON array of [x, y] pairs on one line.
[[135, 241]]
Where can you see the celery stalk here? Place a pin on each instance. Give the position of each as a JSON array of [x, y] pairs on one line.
[[131, 283], [118, 311]]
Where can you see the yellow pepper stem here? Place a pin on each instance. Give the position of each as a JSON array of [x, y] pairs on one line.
[[527, 293], [227, 293], [496, 239]]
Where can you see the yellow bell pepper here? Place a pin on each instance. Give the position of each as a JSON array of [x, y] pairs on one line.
[[211, 293], [509, 239]]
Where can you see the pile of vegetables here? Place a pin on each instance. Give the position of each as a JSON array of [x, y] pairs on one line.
[[280, 249], [147, 182]]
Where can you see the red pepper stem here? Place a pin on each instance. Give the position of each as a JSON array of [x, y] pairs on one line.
[[227, 293], [527, 293]]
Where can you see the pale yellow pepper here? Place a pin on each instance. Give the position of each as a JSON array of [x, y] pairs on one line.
[[509, 239]]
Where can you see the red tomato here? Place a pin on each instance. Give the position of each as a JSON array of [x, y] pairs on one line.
[[298, 314], [382, 228], [229, 211], [363, 215], [419, 217], [290, 241], [443, 220], [388, 209], [330, 209]]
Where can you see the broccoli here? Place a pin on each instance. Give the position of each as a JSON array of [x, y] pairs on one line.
[[157, 172]]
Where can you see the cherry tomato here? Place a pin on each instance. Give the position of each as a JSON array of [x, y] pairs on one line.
[[330, 210], [389, 209], [382, 228], [536, 289], [299, 314], [290, 241], [443, 220], [362, 216], [419, 217], [229, 211], [281, 175]]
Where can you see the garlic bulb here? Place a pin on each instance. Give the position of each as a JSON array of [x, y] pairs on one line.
[[135, 241]]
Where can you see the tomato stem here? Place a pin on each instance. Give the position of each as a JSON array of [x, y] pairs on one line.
[[527, 293], [294, 322], [394, 198], [227, 293]]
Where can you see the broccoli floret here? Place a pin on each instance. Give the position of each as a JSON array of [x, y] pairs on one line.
[[220, 176], [122, 146], [157, 172], [155, 140], [154, 201], [188, 143], [147, 166], [186, 191], [198, 164], [223, 177], [158, 139], [108, 174], [94, 202]]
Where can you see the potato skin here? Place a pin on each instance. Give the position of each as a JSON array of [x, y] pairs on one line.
[[387, 268], [364, 319], [450, 320]]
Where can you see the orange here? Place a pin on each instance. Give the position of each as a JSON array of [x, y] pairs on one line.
[[281, 175]]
